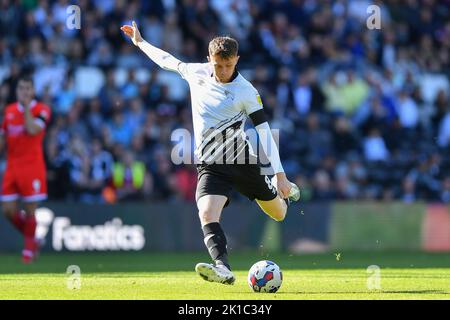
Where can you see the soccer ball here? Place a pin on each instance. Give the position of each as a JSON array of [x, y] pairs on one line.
[[265, 276]]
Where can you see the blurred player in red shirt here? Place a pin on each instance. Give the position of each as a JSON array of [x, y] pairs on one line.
[[23, 128]]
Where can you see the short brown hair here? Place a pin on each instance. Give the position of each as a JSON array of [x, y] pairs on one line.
[[26, 78], [226, 47]]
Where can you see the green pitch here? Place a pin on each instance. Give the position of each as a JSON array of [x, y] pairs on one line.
[[170, 276]]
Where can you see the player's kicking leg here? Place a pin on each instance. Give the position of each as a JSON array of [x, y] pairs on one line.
[[277, 207], [210, 208]]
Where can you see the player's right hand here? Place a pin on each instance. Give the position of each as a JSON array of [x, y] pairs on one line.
[[283, 185], [132, 32]]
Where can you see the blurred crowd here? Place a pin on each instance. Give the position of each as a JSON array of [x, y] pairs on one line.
[[363, 113]]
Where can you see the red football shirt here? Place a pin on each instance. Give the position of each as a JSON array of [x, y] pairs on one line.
[[23, 148]]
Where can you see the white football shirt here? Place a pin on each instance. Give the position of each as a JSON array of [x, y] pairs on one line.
[[219, 112]]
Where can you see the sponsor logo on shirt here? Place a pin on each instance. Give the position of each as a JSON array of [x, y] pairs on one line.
[[15, 130], [258, 97]]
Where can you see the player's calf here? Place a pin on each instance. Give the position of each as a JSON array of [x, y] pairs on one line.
[[210, 208], [30, 250], [275, 208], [216, 242], [280, 215], [31, 244]]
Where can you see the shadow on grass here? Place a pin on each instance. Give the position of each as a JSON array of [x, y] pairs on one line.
[[93, 262], [375, 292]]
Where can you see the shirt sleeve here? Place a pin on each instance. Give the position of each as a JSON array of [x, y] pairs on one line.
[[269, 146], [187, 70], [43, 117], [253, 105], [252, 102], [160, 57]]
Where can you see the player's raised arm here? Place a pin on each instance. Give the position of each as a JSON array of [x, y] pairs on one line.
[[160, 57]]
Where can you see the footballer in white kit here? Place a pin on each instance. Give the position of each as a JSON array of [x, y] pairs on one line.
[[222, 99]]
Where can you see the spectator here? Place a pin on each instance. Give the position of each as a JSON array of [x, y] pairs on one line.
[[185, 183], [66, 97], [75, 124], [344, 139], [445, 193], [303, 95], [120, 130], [444, 132], [130, 179], [131, 87], [108, 92], [333, 93], [441, 107], [319, 141], [135, 116], [323, 188], [408, 191], [94, 118], [407, 110], [100, 171], [375, 147], [353, 92]]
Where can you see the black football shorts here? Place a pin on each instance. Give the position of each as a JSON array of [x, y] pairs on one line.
[[221, 179]]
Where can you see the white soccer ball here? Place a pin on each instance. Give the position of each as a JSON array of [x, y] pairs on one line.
[[265, 276]]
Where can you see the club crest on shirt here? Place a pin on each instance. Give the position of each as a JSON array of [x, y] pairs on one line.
[[229, 95], [36, 185]]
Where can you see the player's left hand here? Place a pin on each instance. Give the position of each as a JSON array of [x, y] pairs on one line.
[[283, 185], [132, 32]]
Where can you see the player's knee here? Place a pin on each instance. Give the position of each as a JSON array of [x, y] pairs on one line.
[[8, 210], [208, 216], [30, 209]]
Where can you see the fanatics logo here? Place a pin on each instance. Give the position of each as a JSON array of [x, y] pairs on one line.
[[113, 235]]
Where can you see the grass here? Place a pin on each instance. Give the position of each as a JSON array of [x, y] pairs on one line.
[[404, 275]]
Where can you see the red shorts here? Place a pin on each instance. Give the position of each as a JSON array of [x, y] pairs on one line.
[[26, 182]]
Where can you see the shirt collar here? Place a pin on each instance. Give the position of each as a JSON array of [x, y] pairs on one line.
[[21, 107], [233, 77]]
